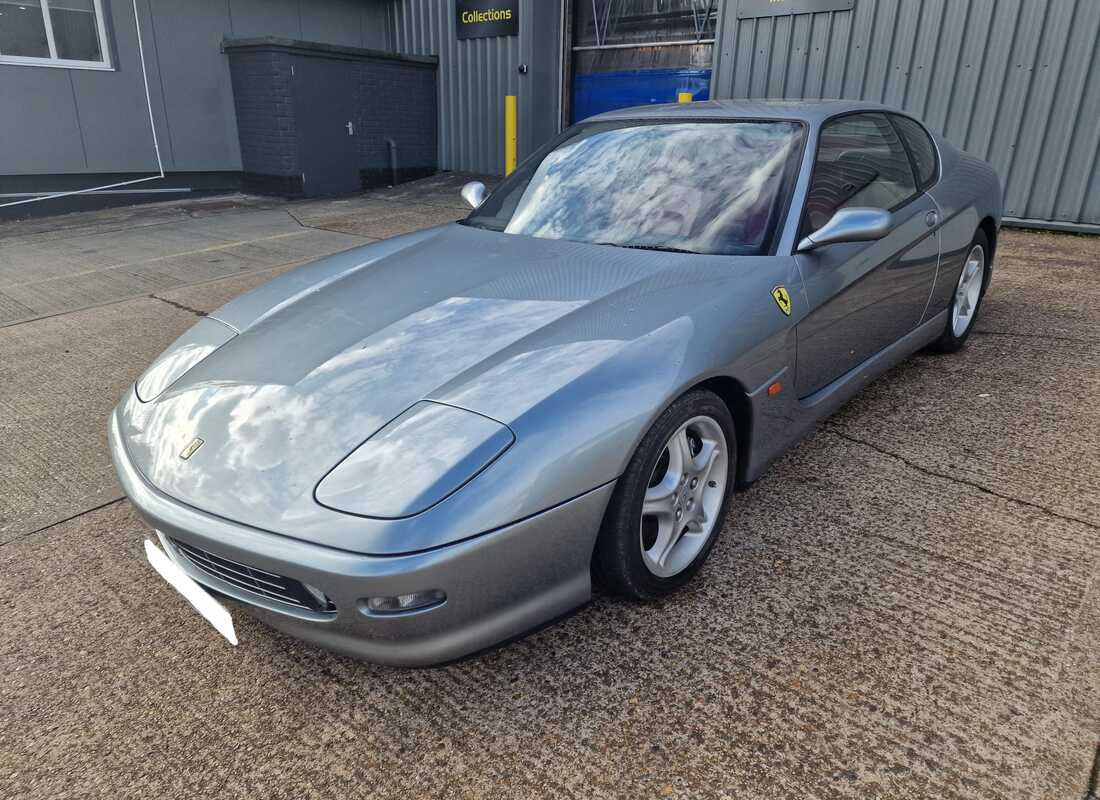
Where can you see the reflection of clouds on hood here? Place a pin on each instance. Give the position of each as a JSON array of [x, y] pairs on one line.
[[441, 340], [267, 444], [700, 186]]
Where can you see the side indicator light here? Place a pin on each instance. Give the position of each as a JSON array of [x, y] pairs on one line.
[[775, 389]]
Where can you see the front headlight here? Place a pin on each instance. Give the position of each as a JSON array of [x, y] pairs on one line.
[[414, 462], [206, 336]]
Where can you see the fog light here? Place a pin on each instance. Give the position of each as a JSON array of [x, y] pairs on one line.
[[405, 602]]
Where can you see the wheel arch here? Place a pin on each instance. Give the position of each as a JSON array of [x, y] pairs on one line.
[[989, 227], [733, 394]]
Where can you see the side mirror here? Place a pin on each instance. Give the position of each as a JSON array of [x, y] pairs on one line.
[[474, 193], [849, 225]]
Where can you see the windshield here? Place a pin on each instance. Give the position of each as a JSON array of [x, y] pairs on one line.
[[701, 187]]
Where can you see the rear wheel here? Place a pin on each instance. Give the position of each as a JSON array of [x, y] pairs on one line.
[[967, 299], [669, 504]]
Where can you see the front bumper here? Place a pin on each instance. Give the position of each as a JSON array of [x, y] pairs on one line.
[[498, 584]]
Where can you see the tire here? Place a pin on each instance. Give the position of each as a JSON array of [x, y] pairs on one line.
[[641, 555], [966, 301]]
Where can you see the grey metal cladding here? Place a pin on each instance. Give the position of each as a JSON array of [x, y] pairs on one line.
[[775, 8], [476, 74], [1014, 82]]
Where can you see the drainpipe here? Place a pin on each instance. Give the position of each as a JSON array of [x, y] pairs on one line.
[[392, 145]]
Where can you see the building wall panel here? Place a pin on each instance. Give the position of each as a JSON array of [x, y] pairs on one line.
[[332, 22], [92, 121], [476, 74], [71, 121], [1067, 189], [35, 97], [199, 126], [1016, 82], [251, 18]]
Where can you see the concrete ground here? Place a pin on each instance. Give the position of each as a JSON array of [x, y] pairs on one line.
[[907, 605]]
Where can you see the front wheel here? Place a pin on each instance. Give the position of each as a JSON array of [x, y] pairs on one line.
[[967, 299], [669, 505]]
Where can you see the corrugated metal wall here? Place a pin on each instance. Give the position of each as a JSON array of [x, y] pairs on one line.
[[1016, 82], [474, 77], [476, 74]]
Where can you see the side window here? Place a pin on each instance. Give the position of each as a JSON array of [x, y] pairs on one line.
[[860, 162], [920, 147], [53, 33]]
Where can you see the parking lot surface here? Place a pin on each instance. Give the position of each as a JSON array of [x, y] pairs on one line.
[[906, 605]]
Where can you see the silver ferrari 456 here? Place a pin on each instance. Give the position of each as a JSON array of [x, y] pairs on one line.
[[416, 449]]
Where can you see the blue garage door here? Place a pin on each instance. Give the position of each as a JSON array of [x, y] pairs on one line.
[[639, 52], [597, 92]]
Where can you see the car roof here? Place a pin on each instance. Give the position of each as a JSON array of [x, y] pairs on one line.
[[811, 111]]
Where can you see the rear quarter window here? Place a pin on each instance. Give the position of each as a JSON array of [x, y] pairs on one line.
[[921, 148]]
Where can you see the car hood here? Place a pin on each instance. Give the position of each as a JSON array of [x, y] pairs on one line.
[[491, 322]]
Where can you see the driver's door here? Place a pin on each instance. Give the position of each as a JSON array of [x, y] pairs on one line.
[[862, 296]]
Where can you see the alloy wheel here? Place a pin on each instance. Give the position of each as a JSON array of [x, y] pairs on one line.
[[684, 496], [968, 292]]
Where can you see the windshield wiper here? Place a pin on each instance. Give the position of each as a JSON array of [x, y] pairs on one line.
[[659, 247]]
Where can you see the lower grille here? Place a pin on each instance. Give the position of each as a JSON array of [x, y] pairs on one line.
[[261, 583]]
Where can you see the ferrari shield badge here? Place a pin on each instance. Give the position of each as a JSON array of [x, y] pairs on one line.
[[782, 299], [192, 446]]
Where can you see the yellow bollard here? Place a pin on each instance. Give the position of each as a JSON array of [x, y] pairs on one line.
[[683, 97], [509, 134]]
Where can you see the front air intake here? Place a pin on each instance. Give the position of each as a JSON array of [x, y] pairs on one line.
[[254, 581]]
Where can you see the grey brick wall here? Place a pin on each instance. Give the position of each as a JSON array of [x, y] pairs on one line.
[[397, 101], [265, 120], [395, 98]]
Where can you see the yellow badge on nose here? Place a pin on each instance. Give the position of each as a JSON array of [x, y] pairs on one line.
[[192, 446], [782, 299]]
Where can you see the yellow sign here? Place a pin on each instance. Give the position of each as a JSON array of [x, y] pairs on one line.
[[782, 299], [480, 18], [492, 15], [192, 446]]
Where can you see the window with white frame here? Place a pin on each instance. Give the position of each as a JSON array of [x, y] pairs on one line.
[[53, 33]]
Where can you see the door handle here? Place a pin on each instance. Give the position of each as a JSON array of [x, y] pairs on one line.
[[931, 219]]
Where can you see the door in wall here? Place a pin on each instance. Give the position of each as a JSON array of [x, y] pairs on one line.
[[325, 103]]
